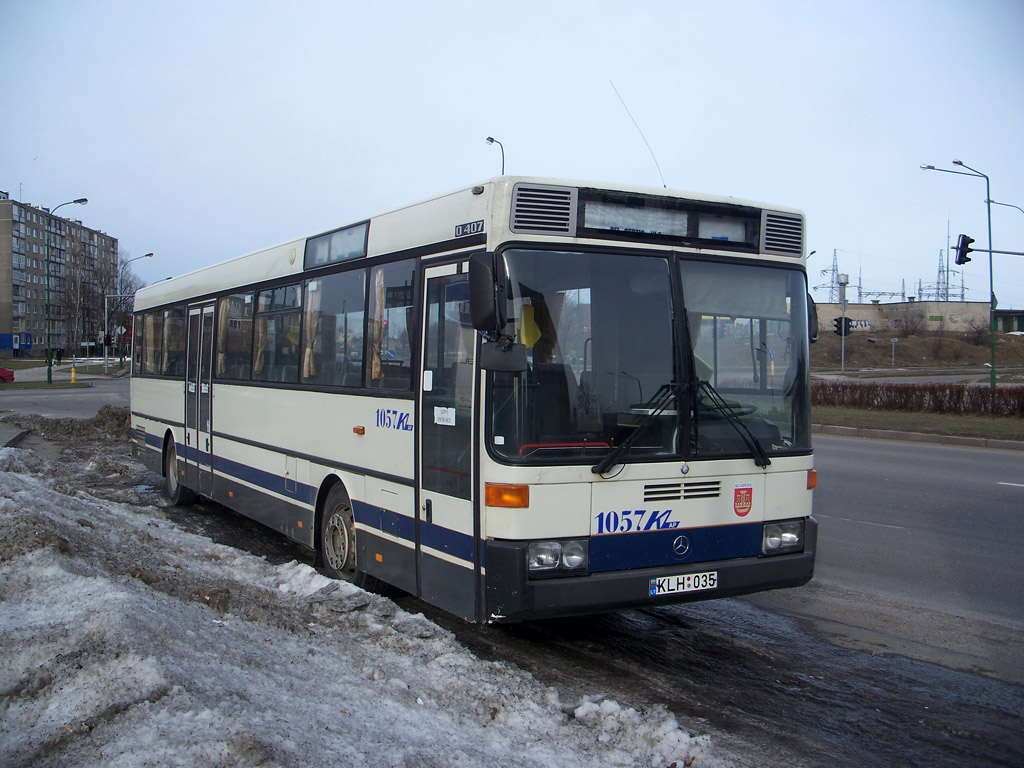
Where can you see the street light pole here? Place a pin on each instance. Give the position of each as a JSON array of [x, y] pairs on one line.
[[991, 278], [844, 280], [991, 275], [106, 310], [492, 140], [1008, 205], [49, 226]]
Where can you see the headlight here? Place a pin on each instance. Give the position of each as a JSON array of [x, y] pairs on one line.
[[574, 554], [545, 555], [782, 537], [557, 558]]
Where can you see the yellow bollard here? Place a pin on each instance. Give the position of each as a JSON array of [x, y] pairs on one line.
[[72, 374]]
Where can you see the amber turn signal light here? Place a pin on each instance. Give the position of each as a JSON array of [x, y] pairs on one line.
[[498, 495]]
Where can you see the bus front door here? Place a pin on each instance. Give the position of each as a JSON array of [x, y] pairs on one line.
[[447, 554], [198, 397]]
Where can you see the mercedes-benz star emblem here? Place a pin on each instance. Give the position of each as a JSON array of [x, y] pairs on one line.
[[681, 546]]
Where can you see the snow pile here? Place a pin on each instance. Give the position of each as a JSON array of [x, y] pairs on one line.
[[127, 641]]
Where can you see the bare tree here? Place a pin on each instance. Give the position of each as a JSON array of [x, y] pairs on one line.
[[121, 307], [978, 333], [908, 322], [71, 303]]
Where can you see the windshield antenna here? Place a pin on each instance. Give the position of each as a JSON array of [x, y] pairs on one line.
[[663, 184]]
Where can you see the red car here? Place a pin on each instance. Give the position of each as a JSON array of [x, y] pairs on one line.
[[7, 375]]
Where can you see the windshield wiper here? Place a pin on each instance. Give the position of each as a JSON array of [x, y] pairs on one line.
[[662, 399], [758, 452]]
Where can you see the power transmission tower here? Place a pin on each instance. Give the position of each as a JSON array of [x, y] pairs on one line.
[[833, 283]]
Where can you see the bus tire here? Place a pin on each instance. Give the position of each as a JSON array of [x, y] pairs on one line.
[[337, 540], [178, 494]]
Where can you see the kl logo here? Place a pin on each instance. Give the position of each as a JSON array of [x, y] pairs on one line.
[[743, 499]]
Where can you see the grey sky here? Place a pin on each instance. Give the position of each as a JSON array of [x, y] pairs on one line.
[[203, 130]]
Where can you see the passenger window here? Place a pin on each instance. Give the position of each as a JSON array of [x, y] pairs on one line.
[[278, 319], [138, 347], [152, 359], [332, 345], [234, 336], [391, 323], [171, 351]]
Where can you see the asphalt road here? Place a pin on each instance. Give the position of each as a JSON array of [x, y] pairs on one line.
[[920, 552], [940, 525], [73, 402]]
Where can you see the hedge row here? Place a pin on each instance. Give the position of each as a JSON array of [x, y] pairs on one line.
[[961, 399]]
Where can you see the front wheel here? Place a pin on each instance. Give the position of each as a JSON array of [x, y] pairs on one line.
[[338, 536], [176, 492]]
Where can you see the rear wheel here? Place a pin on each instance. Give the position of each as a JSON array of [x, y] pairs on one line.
[[176, 492], [338, 536]]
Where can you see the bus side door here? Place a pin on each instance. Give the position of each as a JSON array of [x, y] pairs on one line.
[[198, 401], [447, 554]]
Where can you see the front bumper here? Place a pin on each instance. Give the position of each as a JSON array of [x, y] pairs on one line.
[[512, 596]]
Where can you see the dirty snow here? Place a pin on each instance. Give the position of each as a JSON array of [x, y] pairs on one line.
[[126, 640]]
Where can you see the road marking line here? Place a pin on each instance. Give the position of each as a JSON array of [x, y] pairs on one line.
[[862, 522], [1015, 485]]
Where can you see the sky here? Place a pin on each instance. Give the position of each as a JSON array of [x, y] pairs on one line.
[[128, 641], [201, 131]]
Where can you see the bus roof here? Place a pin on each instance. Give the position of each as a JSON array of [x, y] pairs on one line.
[[401, 228]]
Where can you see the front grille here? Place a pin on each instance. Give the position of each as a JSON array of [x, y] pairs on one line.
[[663, 492], [697, 489], [702, 489]]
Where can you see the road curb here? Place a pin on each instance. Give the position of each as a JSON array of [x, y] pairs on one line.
[[918, 437], [9, 438]]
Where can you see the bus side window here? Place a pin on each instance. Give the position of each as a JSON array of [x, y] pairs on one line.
[[278, 318], [234, 337], [332, 344], [390, 325], [138, 345], [172, 347]]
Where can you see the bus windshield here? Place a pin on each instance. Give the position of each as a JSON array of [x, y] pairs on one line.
[[608, 364]]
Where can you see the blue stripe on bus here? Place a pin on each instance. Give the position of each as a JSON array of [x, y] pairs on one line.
[[384, 520], [454, 543], [614, 552], [446, 540], [267, 480], [650, 549], [262, 479]]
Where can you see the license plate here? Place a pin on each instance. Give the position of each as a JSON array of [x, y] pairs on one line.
[[690, 582]]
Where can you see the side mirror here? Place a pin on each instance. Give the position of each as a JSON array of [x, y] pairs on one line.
[[499, 356], [812, 320], [487, 289], [486, 294]]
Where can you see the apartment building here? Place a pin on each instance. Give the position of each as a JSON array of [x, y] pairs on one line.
[[80, 264]]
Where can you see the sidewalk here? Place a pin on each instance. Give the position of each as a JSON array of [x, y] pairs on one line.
[[918, 437], [62, 372]]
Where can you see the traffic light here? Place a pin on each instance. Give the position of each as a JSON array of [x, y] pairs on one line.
[[963, 247], [107, 340], [843, 326]]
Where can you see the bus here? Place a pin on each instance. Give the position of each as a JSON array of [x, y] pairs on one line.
[[526, 398]]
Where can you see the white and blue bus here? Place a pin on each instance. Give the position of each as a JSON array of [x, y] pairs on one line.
[[525, 398]]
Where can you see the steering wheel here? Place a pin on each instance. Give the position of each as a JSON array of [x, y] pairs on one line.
[[737, 409]]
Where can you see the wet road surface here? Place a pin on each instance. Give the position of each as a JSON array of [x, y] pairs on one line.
[[768, 688]]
